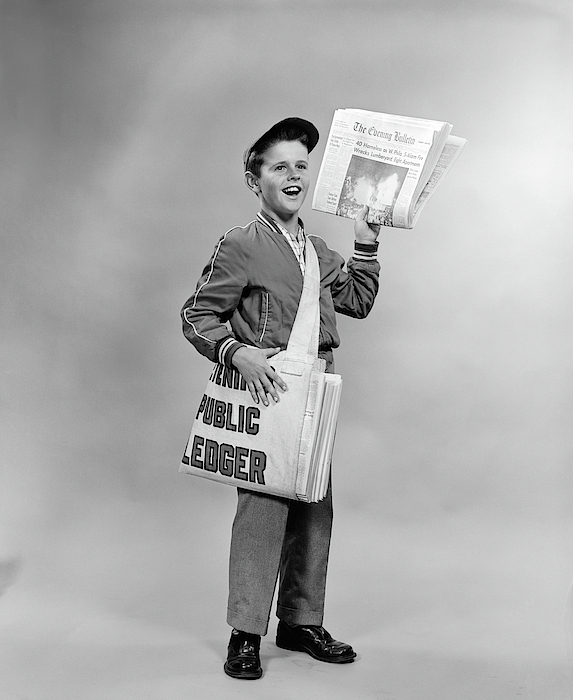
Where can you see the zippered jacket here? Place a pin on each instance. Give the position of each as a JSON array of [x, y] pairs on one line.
[[249, 291]]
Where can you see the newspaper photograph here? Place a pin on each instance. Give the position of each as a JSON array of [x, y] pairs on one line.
[[390, 163]]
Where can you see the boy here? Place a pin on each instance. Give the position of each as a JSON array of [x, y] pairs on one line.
[[253, 282]]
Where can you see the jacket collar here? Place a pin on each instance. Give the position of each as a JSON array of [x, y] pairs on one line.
[[272, 224]]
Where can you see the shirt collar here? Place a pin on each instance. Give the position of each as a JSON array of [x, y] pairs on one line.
[[272, 223]]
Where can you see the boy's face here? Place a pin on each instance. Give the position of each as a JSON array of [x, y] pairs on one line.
[[284, 181]]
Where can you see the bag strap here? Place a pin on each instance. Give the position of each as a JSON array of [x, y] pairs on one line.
[[303, 339]]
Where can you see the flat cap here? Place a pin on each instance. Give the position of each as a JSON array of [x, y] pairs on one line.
[[306, 126]]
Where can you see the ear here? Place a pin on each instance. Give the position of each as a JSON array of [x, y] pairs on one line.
[[252, 182]]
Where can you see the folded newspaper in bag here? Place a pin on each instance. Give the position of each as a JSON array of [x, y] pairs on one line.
[[283, 449], [391, 163]]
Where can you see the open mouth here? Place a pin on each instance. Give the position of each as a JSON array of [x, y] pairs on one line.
[[292, 191]]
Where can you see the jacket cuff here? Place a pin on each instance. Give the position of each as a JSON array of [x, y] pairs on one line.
[[225, 350], [365, 251]]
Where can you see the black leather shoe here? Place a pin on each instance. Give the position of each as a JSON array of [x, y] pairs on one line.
[[315, 641], [243, 656]]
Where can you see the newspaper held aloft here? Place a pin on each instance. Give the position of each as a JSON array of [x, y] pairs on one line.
[[391, 163]]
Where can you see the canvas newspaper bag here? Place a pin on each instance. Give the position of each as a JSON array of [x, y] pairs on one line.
[[282, 449]]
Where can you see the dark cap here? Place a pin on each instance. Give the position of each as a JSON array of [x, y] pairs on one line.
[[310, 130]]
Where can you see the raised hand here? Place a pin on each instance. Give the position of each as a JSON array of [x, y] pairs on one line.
[[363, 231]]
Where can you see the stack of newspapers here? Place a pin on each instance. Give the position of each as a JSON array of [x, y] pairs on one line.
[[390, 163], [317, 441]]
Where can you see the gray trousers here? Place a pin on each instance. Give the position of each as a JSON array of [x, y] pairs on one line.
[[277, 538]]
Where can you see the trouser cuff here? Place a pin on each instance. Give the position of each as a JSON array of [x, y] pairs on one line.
[[299, 617], [247, 624]]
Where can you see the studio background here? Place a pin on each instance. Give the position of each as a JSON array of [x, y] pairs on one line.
[[122, 128]]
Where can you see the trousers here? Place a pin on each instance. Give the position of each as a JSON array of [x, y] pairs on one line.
[[278, 539]]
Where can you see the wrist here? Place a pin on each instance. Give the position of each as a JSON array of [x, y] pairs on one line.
[[227, 349]]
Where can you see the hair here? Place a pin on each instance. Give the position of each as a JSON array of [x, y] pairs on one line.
[[287, 133]]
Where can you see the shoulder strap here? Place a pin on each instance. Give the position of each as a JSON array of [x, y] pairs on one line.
[[303, 338]]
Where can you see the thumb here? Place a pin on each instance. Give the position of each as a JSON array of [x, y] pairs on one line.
[[269, 352], [363, 213]]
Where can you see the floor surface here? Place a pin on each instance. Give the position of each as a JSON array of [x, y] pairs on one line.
[[436, 611]]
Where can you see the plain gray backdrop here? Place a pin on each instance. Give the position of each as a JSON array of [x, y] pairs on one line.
[[122, 127]]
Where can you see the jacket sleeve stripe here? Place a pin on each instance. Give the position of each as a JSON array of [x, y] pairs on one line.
[[195, 331], [194, 301], [210, 274]]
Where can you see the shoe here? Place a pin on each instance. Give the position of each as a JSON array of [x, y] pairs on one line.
[[243, 656], [315, 641]]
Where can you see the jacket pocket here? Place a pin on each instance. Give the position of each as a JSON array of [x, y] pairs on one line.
[[264, 316]]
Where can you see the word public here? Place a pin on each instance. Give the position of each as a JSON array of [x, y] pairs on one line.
[[230, 460], [219, 414]]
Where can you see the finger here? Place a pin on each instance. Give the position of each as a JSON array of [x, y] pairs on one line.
[[270, 388], [269, 352], [277, 380], [363, 213], [253, 392], [261, 392]]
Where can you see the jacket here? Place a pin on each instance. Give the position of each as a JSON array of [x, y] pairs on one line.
[[249, 291]]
